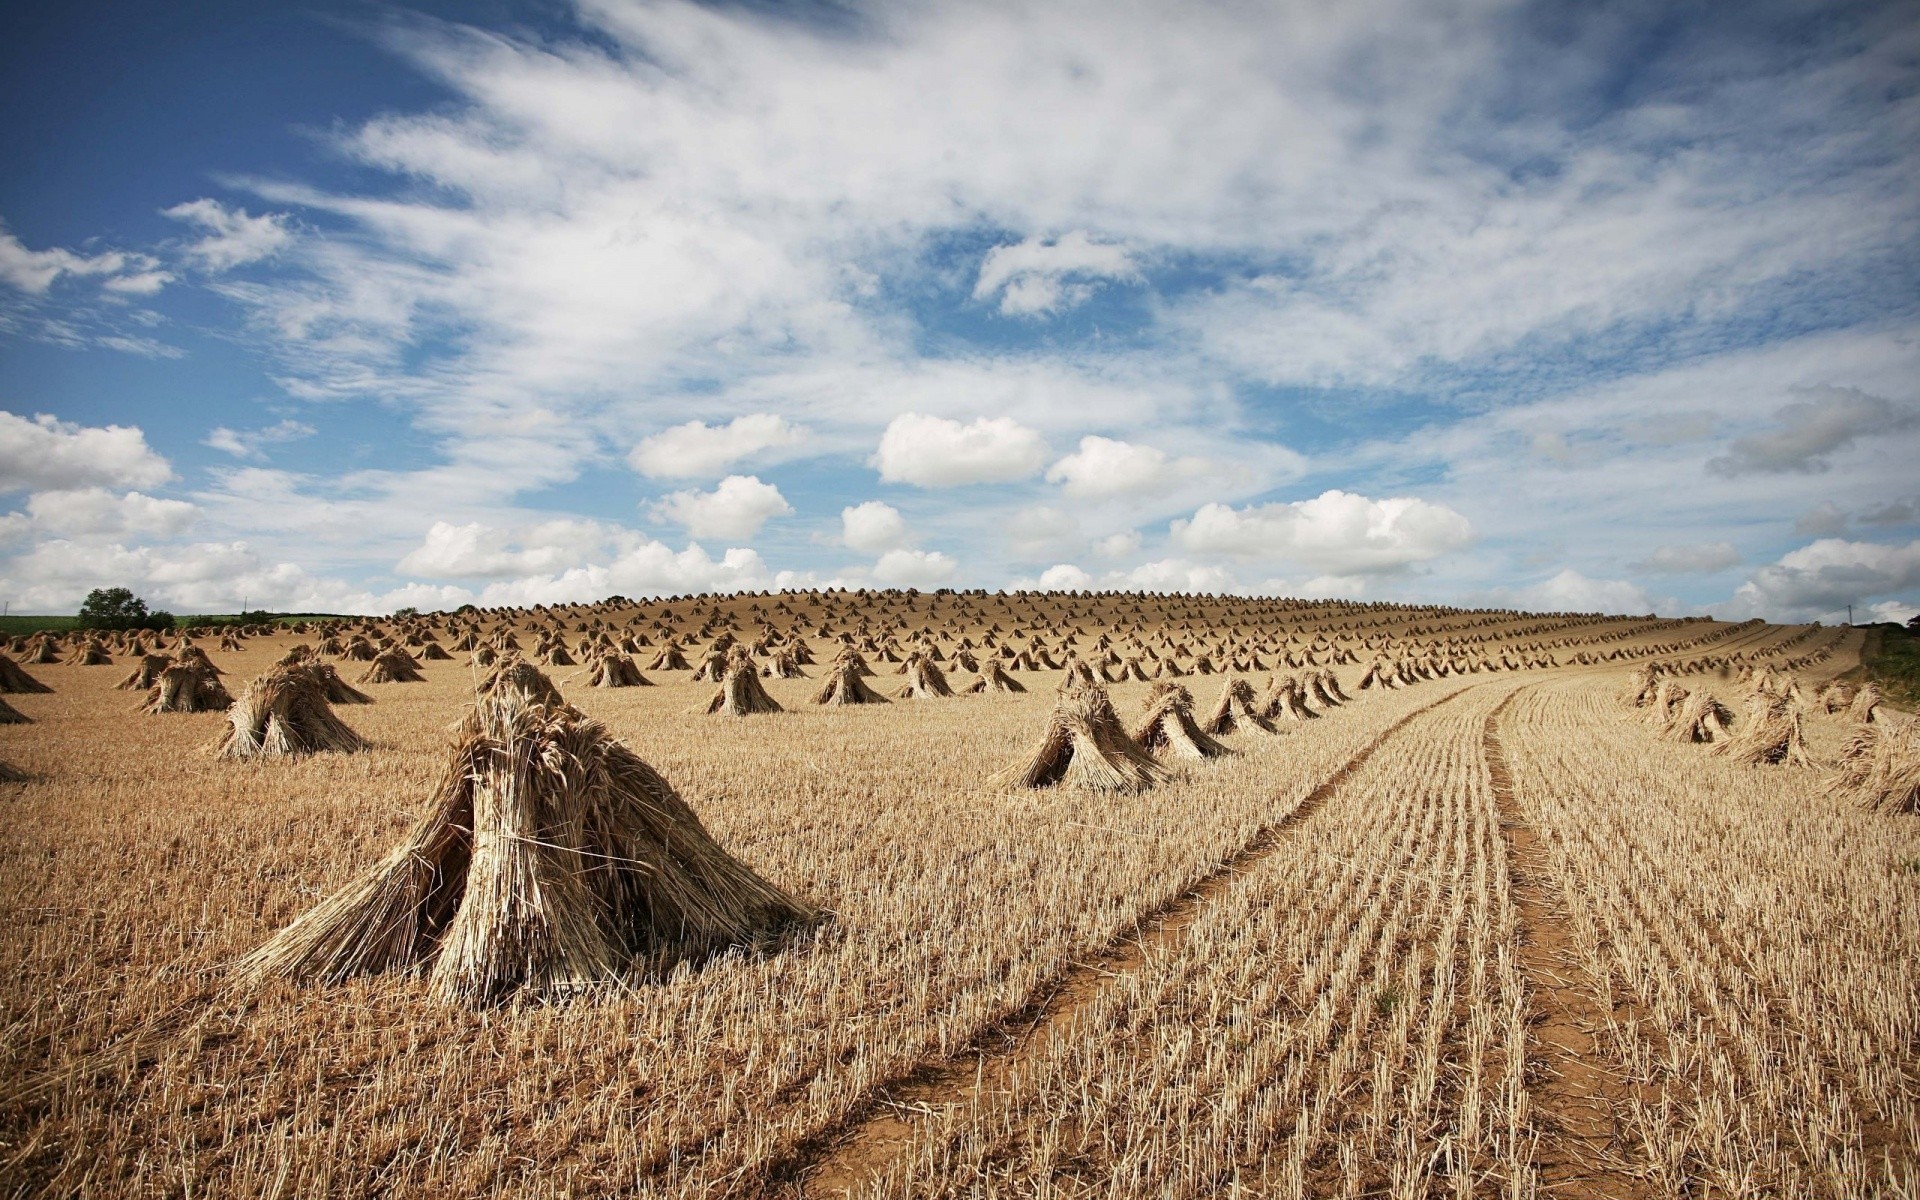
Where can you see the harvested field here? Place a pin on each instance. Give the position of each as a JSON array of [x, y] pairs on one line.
[[1481, 930]]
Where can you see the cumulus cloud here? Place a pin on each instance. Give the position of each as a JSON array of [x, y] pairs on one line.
[[1570, 591], [478, 551], [696, 449], [873, 526], [1824, 576], [1702, 559], [1176, 575], [36, 271], [46, 453], [1064, 577], [232, 237], [1104, 467], [97, 512], [643, 568], [934, 452], [1036, 276], [736, 508], [1897, 611], [1808, 433], [1337, 532], [251, 443], [1118, 545], [914, 568]]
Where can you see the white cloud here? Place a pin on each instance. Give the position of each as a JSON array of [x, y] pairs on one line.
[[643, 568], [1897, 611], [1335, 533], [477, 551], [1570, 591], [1105, 467], [1034, 277], [96, 512], [47, 453], [873, 526], [696, 449], [736, 508], [914, 568], [36, 271], [933, 452], [1176, 575], [1809, 432], [249, 443], [233, 238], [1064, 577], [1823, 577], [1702, 559], [1118, 545]]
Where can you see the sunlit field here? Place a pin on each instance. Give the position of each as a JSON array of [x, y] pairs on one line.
[[1489, 926]]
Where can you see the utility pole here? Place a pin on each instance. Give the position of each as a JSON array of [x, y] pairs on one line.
[[1849, 614]]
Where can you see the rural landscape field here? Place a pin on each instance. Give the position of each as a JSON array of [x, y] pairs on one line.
[[1546, 905]]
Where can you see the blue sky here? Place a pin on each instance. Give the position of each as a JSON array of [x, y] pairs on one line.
[[1549, 306]]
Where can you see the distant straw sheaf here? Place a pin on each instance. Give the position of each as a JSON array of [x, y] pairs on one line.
[[925, 680], [1168, 728], [551, 858], [1086, 746], [286, 714], [1235, 711], [187, 687], [995, 680], [845, 686], [393, 666], [610, 670], [741, 693]]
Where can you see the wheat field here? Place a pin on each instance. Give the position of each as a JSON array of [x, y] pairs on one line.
[[1479, 931]]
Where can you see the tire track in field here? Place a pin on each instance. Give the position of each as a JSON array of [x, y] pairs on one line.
[[1578, 1099], [839, 1160]]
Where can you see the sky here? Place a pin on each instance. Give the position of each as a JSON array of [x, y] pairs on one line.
[[1558, 306]]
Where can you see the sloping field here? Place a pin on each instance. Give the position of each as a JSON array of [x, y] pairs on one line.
[[1478, 930]]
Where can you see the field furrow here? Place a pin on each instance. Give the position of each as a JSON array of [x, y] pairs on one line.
[[1701, 890]]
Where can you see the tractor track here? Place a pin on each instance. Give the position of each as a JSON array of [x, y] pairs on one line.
[[839, 1160]]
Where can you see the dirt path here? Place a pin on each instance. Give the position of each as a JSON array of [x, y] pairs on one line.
[[839, 1162], [1575, 1093]]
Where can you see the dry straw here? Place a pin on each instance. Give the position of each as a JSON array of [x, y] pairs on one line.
[[1085, 746], [551, 858], [1169, 730], [14, 679], [1234, 711], [186, 687], [994, 679], [741, 693], [284, 714], [925, 680], [1880, 767], [845, 686], [393, 666]]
